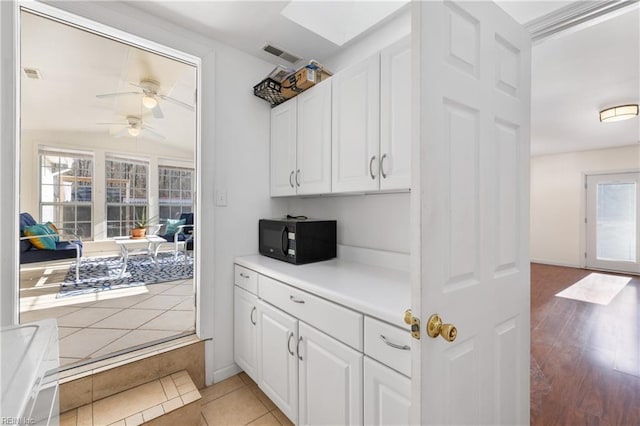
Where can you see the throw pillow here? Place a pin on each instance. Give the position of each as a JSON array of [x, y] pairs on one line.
[[53, 230], [43, 240], [172, 225]]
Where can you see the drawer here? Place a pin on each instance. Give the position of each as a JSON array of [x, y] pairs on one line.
[[246, 278], [388, 344], [338, 322]]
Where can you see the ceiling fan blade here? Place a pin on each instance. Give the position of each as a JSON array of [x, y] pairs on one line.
[[122, 132], [153, 133], [111, 124], [177, 102], [157, 112], [111, 95]]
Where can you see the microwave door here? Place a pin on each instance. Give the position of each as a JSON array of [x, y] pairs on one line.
[[284, 241]]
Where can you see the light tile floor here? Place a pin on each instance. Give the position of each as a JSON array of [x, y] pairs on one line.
[[239, 401], [97, 324]]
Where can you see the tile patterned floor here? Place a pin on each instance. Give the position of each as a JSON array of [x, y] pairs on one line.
[[239, 401], [98, 324]]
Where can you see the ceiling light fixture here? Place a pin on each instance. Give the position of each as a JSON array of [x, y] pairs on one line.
[[619, 113], [149, 101], [134, 131]]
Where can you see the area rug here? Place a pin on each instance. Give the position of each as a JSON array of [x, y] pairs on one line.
[[596, 288], [100, 274]]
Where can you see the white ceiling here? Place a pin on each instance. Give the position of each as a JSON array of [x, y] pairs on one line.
[[77, 65], [577, 75], [573, 75]]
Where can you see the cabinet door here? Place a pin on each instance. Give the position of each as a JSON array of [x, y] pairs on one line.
[[245, 319], [395, 116], [283, 148], [355, 141], [387, 395], [313, 175], [330, 380], [277, 358]]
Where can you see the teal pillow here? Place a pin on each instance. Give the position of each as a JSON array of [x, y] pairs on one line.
[[53, 230], [43, 242], [172, 225]]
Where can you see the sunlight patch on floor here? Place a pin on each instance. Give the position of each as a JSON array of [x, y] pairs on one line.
[[596, 288]]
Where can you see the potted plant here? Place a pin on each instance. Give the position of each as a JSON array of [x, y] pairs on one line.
[[140, 225]]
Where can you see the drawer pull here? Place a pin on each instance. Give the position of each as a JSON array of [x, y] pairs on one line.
[[298, 348], [243, 275], [394, 345], [289, 344], [294, 300], [251, 316]]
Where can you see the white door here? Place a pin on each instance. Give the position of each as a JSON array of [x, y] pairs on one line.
[[277, 358], [473, 269], [613, 222], [395, 116], [313, 175], [387, 395], [355, 141], [330, 380], [245, 319], [283, 148]]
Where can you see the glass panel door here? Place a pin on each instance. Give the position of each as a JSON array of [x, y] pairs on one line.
[[613, 204]]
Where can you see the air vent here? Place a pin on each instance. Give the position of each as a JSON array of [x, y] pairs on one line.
[[32, 73], [280, 53]]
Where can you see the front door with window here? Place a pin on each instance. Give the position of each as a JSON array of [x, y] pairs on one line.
[[613, 222]]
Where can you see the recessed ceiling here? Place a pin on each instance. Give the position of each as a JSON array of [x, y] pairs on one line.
[[77, 65]]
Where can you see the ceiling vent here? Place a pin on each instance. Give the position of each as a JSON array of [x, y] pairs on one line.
[[32, 73], [280, 53]]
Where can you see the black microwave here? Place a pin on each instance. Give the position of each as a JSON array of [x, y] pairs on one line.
[[297, 241]]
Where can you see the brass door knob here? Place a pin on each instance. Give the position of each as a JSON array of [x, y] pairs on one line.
[[436, 328]]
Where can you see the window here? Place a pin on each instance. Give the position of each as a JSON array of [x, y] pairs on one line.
[[127, 194], [175, 187], [66, 186]]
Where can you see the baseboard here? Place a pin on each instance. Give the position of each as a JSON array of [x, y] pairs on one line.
[[554, 263], [226, 372]]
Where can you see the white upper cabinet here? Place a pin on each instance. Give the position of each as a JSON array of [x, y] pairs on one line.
[[395, 116], [283, 148], [313, 173], [356, 127]]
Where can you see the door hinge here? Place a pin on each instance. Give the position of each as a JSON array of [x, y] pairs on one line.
[[585, 220], [414, 323], [585, 254]]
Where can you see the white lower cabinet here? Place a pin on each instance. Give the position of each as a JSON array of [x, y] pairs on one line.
[[387, 395], [277, 358], [245, 328], [330, 380]]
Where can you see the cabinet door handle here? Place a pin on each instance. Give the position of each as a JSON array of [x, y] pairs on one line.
[[297, 175], [289, 344], [251, 316], [371, 167], [394, 345], [294, 300], [243, 275], [384, 175], [291, 178], [298, 348]]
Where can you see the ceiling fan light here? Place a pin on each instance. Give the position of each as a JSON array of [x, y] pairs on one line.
[[149, 101], [619, 113], [134, 131]]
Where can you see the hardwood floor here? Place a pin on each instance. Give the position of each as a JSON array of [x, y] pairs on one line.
[[585, 357]]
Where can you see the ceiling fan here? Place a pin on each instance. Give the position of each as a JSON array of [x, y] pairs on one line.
[[134, 126], [150, 97]]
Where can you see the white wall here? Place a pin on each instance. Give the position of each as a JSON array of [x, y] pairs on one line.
[[234, 155], [558, 200], [377, 221]]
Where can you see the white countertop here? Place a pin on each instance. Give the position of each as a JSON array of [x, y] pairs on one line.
[[381, 293]]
